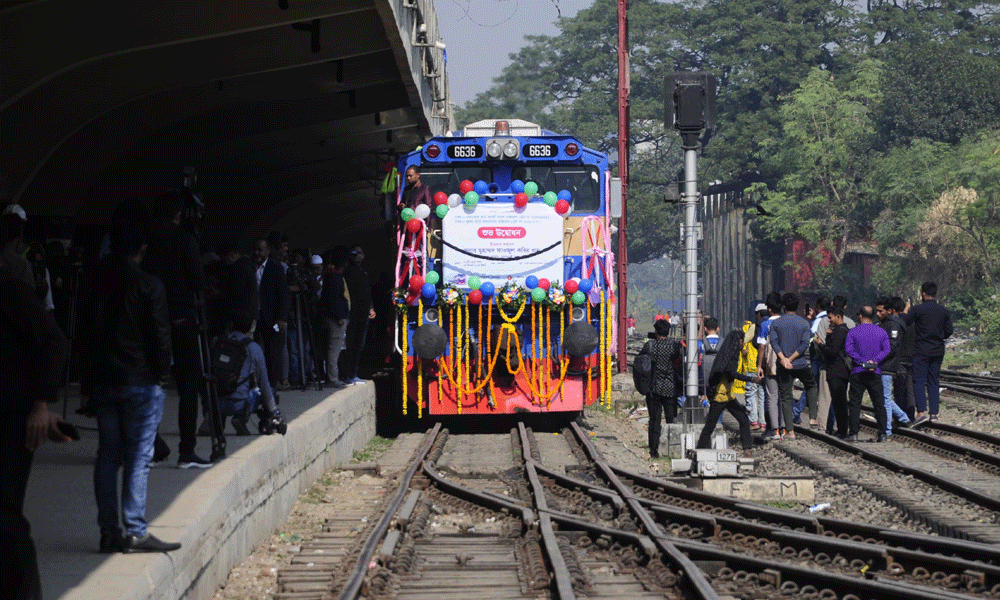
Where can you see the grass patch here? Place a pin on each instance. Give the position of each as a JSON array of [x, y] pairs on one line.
[[374, 449], [784, 505]]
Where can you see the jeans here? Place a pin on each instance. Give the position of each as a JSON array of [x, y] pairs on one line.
[[785, 378], [926, 382], [755, 400], [891, 408], [238, 406], [738, 411], [127, 418], [803, 400]]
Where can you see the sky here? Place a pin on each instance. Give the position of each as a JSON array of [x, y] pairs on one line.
[[480, 34]]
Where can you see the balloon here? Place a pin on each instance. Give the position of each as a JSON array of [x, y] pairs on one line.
[[475, 297], [531, 282], [422, 211], [538, 295], [562, 207], [521, 200], [550, 198], [416, 282], [531, 188], [544, 283], [481, 187], [579, 297], [440, 198], [466, 186], [586, 285], [432, 277], [487, 288], [471, 198], [517, 186], [454, 200], [565, 195], [413, 225], [475, 282], [441, 210], [406, 214], [571, 286], [428, 291]]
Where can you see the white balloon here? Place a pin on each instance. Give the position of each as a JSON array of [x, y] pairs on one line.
[[422, 211], [454, 200]]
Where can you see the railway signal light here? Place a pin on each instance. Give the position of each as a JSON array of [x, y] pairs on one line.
[[689, 103]]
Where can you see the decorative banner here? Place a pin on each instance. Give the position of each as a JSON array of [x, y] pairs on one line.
[[494, 230]]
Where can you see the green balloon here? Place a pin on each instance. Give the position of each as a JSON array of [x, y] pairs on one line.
[[441, 210], [531, 188], [406, 214], [474, 283], [579, 297], [471, 198], [432, 278], [551, 198], [538, 294]]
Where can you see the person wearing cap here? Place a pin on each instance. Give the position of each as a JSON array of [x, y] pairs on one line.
[[12, 223], [318, 343], [362, 312]]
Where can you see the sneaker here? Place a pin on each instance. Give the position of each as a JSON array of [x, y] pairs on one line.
[[933, 417], [904, 424], [192, 461], [337, 385], [357, 381], [921, 420], [148, 543], [772, 434]]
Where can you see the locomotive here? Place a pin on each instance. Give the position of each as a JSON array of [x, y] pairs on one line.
[[505, 280]]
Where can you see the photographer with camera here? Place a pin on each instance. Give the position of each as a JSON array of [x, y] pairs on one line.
[[867, 345]]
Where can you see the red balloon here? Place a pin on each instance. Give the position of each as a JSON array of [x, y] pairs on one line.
[[562, 207], [475, 297], [416, 282], [440, 198], [413, 225], [544, 283], [572, 286], [521, 200], [466, 186]]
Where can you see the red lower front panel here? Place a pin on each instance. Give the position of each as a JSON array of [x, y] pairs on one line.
[[527, 391]]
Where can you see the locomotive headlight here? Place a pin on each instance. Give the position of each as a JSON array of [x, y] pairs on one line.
[[511, 149], [493, 149]]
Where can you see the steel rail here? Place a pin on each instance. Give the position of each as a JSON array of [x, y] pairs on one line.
[[356, 579], [988, 458], [944, 483]]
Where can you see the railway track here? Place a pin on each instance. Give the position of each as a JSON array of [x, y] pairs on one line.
[[526, 516]]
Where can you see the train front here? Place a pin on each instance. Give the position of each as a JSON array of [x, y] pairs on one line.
[[505, 292]]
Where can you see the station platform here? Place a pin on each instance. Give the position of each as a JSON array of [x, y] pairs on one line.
[[219, 514]]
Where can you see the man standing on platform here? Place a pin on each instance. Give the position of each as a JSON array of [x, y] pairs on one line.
[[359, 288]]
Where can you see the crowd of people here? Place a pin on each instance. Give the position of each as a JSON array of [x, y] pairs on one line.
[[892, 350], [148, 304]]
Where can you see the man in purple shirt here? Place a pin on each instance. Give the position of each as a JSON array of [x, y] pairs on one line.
[[867, 345]]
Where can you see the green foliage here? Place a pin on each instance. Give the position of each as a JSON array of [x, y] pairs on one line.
[[989, 321], [941, 92]]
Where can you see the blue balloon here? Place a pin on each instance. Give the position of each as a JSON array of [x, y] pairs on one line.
[[517, 186], [565, 195], [428, 291], [586, 285], [487, 289], [481, 187], [531, 281]]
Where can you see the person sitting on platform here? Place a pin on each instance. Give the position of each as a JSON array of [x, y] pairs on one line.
[[725, 372], [248, 387]]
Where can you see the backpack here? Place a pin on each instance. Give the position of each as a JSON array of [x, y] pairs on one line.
[[228, 356], [642, 373], [711, 349]]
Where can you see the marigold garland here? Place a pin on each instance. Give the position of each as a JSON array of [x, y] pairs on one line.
[[406, 360]]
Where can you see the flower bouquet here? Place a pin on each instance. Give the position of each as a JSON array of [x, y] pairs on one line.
[[449, 296]]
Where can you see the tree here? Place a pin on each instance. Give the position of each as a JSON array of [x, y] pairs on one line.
[[822, 154]]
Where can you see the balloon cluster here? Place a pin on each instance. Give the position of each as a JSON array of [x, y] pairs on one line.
[[524, 191]]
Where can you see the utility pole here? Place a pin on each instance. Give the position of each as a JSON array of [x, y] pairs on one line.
[[623, 158], [690, 108]]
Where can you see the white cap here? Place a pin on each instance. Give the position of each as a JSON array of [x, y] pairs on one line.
[[317, 259], [760, 307], [15, 209]]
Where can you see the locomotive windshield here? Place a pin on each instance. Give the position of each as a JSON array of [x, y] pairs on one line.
[[582, 181], [447, 179]]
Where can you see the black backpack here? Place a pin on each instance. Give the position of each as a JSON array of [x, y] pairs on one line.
[[711, 349], [642, 373], [228, 356]]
